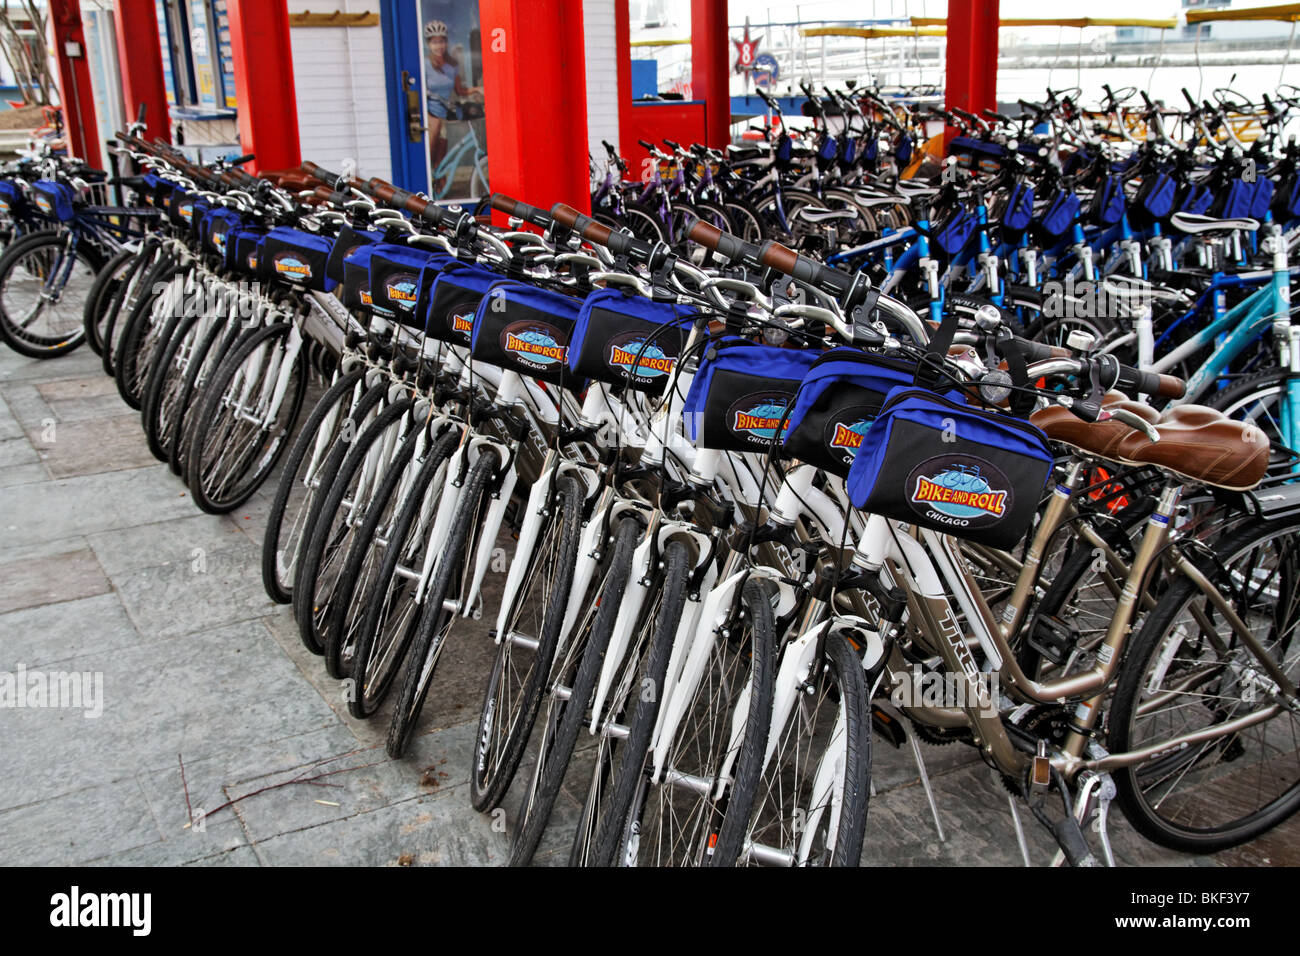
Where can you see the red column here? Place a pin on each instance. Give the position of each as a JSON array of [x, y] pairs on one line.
[[268, 104], [75, 91], [139, 56], [711, 68], [623, 52], [972, 81], [535, 97]]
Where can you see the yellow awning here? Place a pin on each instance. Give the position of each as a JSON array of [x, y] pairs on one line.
[[871, 32], [1286, 12], [659, 42], [1079, 22]]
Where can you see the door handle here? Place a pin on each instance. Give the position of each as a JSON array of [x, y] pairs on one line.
[[415, 128]]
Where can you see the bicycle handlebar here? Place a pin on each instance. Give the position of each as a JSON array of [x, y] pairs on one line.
[[619, 243]]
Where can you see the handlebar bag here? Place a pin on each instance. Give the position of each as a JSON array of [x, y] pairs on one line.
[[742, 394], [903, 151], [180, 208], [355, 287], [1062, 209], [623, 339], [955, 231], [345, 243], [1197, 199], [400, 279], [1262, 198], [848, 150], [297, 257], [1107, 206], [1155, 197], [1016, 210], [934, 461], [1237, 201], [527, 330], [11, 199], [836, 403], [1286, 202], [829, 149], [243, 249], [456, 294], [54, 199], [784, 149], [215, 229]]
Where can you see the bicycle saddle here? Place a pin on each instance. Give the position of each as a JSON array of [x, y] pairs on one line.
[[1197, 225], [818, 214], [1203, 445]]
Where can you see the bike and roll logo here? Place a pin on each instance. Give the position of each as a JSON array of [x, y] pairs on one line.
[[758, 417], [844, 433], [641, 360], [535, 345], [403, 290], [44, 205], [290, 266], [960, 491]]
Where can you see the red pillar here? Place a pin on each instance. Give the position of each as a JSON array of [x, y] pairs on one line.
[[75, 91], [711, 68], [623, 53], [139, 56], [268, 104], [535, 98], [972, 81]]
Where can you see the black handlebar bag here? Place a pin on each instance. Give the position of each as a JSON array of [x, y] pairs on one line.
[[12, 202], [348, 241], [401, 278], [526, 330], [354, 290], [622, 339], [933, 460], [244, 249], [297, 257], [456, 294], [742, 394], [836, 403]]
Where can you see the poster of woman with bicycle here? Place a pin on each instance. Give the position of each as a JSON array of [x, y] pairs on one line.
[[453, 98]]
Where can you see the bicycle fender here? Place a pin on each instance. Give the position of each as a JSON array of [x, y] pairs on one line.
[[629, 611], [487, 542], [446, 509], [824, 791], [524, 549]]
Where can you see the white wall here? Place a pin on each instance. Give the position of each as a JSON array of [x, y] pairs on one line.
[[338, 74], [602, 76]]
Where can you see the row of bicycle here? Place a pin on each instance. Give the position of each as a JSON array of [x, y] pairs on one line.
[[747, 504]]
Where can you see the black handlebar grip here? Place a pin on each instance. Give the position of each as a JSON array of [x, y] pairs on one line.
[[1150, 383], [521, 210], [240, 160], [140, 113], [1039, 351], [649, 146], [321, 173]]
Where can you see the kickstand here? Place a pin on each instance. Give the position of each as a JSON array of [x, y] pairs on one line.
[[1066, 831], [1092, 805], [1020, 830], [925, 783]]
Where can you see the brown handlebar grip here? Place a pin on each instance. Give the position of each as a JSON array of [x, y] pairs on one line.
[[1171, 387], [779, 257], [705, 234], [565, 215], [381, 190], [503, 203]]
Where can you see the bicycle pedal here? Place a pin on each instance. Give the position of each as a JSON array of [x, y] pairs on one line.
[[888, 725], [1053, 638]]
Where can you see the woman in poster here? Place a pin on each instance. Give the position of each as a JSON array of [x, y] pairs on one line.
[[442, 82]]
